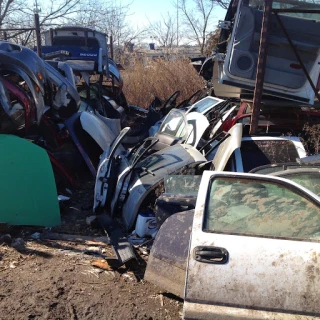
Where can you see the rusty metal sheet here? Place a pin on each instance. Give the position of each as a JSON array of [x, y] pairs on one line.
[[169, 204], [167, 262]]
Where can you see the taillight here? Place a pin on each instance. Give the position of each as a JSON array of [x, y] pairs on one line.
[[295, 66]]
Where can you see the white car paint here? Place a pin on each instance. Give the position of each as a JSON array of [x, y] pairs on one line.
[[227, 147], [295, 140], [171, 159], [232, 144], [197, 125], [208, 104], [268, 277], [104, 170], [97, 129]]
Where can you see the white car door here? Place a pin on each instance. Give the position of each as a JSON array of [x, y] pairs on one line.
[[254, 251]]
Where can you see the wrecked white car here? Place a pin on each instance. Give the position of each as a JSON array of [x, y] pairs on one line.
[[127, 182], [248, 231], [124, 182]]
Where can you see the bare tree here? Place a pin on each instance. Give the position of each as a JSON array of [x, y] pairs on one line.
[[15, 14], [164, 31], [212, 41], [8, 8], [107, 16], [197, 18], [111, 18]]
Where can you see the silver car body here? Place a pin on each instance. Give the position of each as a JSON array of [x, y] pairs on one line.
[[167, 161]]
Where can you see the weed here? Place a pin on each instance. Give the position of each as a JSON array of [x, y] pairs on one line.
[[143, 81], [311, 138]]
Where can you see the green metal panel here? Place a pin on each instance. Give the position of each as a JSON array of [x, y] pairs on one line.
[[27, 187]]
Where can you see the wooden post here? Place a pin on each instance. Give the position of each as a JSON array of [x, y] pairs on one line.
[[111, 54], [111, 47], [262, 58], [38, 35], [51, 36]]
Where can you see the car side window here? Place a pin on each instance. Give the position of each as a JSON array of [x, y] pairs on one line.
[[260, 208], [309, 180]]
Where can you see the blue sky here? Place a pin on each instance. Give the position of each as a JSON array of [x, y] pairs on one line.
[[142, 10]]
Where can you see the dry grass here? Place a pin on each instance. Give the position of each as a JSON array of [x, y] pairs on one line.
[[311, 140], [159, 78]]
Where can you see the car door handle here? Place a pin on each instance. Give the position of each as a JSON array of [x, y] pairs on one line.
[[214, 255]]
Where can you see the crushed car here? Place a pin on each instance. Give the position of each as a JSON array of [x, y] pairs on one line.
[[128, 183]]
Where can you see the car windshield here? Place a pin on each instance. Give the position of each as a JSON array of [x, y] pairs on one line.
[[204, 104], [182, 184], [174, 124], [259, 207], [257, 153]]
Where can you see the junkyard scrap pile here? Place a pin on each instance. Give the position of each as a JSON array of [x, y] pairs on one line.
[[102, 198]]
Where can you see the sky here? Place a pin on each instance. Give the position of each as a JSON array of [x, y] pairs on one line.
[[142, 11]]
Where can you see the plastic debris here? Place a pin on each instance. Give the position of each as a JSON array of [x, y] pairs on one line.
[[63, 198], [5, 238], [102, 264], [35, 236], [90, 219], [18, 243], [13, 264]]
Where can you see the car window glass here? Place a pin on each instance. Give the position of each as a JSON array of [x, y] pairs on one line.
[[272, 168], [309, 180], [257, 153], [182, 184], [151, 161], [75, 41], [174, 124], [203, 105], [260, 208]]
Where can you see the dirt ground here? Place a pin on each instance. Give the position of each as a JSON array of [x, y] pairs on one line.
[[55, 279]]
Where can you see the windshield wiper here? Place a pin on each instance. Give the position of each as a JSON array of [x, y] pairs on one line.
[[144, 169], [217, 136]]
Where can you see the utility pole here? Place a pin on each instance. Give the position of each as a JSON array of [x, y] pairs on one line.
[[177, 24], [37, 27]]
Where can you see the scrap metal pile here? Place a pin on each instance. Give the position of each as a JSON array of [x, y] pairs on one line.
[[64, 118]]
